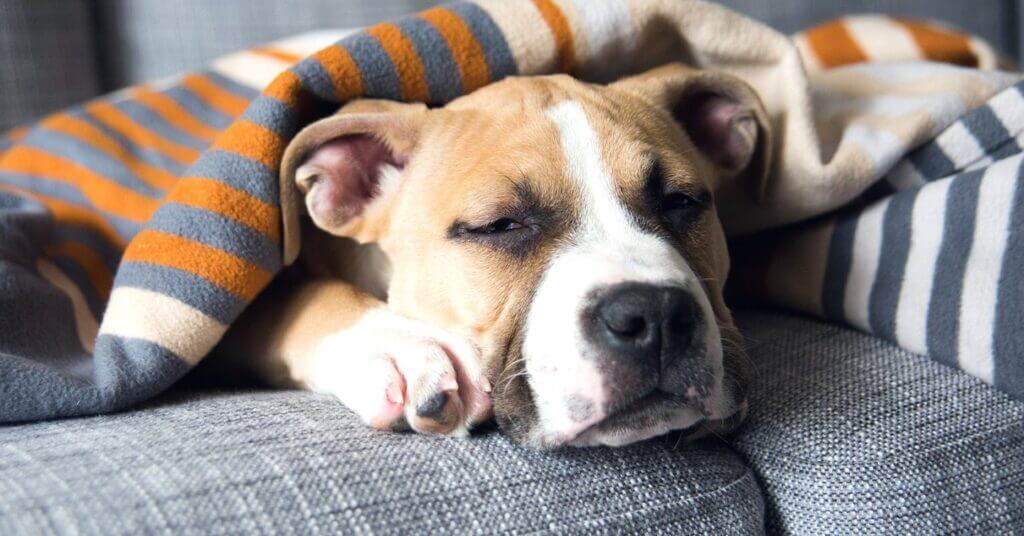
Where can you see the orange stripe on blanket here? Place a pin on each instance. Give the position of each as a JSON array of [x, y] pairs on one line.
[[252, 141], [238, 276], [82, 130], [344, 73], [277, 54], [103, 193], [562, 33], [465, 49], [216, 97], [937, 44], [95, 269], [124, 125], [16, 134], [411, 76], [229, 202], [70, 214], [833, 45], [286, 88], [173, 113]]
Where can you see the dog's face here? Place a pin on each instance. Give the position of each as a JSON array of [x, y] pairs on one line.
[[569, 230]]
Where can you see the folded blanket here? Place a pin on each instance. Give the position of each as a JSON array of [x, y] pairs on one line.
[[135, 228]]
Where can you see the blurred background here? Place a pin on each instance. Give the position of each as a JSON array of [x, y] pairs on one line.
[[54, 53]]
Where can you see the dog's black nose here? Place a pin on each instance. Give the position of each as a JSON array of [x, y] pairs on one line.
[[645, 323]]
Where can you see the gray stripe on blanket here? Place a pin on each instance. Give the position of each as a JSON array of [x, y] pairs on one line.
[[218, 231], [273, 114], [439, 66], [147, 155], [947, 288], [198, 108], [76, 273], [88, 156], [315, 80], [931, 161], [986, 127], [892, 263], [156, 124], [238, 172], [837, 269], [109, 253], [75, 386], [380, 81], [499, 58], [1008, 337], [183, 286], [125, 229]]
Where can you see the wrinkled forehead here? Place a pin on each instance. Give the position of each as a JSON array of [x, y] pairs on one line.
[[536, 133]]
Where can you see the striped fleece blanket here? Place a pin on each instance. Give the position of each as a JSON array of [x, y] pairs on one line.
[[135, 228]]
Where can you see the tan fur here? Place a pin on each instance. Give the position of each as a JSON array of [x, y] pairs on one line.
[[465, 160], [278, 333]]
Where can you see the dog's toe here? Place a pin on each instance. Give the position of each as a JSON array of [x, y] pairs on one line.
[[433, 403]]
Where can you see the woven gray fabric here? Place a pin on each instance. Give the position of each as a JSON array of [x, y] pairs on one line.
[[292, 462], [47, 59], [851, 435], [147, 39]]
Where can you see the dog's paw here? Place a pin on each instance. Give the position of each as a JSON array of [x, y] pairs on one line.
[[395, 372]]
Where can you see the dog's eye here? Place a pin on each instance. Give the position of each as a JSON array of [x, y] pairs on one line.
[[680, 209], [500, 225], [494, 228], [514, 235]]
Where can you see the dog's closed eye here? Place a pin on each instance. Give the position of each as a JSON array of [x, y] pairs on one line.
[[681, 209], [514, 226], [515, 235], [500, 225], [678, 207]]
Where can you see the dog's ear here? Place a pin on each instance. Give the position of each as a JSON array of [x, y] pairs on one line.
[[348, 165], [721, 114]]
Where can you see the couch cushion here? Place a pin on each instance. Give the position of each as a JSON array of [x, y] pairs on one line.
[[273, 462], [47, 57], [849, 434]]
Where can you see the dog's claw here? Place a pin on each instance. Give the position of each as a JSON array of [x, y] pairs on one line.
[[433, 406]]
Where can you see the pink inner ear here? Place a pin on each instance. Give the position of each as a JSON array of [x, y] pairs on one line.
[[724, 129], [347, 177]]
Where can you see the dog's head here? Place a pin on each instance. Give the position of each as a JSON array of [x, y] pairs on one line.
[[568, 229]]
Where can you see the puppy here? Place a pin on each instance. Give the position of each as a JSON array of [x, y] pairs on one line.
[[542, 251]]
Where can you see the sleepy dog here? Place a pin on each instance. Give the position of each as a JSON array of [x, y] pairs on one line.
[[543, 251]]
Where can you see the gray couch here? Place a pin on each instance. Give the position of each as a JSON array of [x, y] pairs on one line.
[[847, 434]]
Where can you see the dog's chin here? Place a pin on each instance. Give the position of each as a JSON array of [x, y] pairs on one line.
[[658, 414]]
